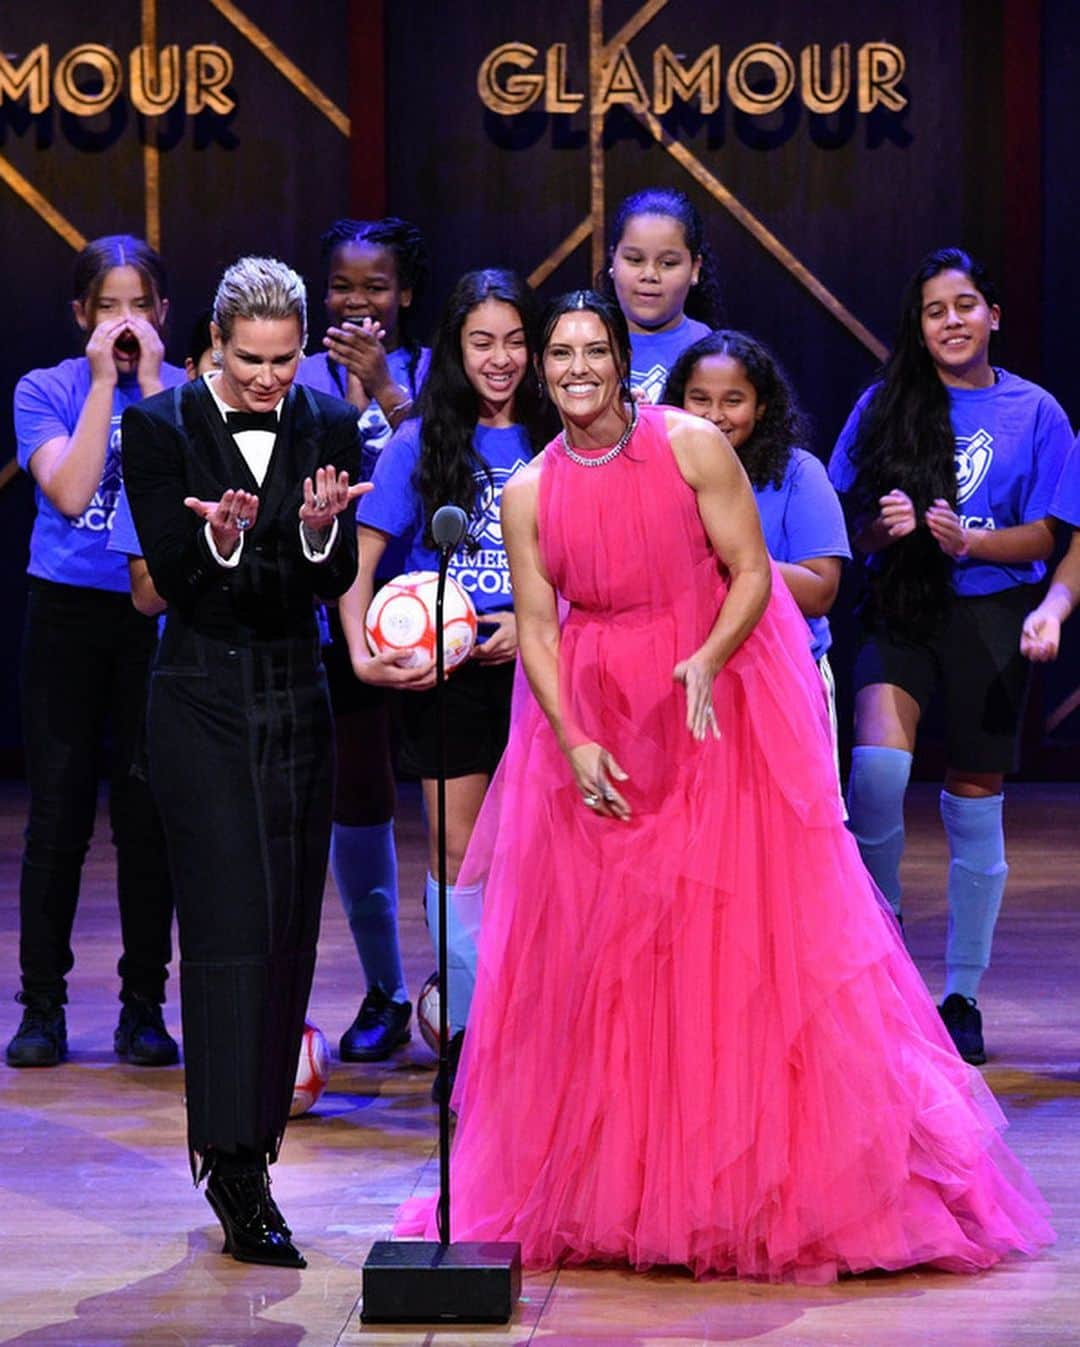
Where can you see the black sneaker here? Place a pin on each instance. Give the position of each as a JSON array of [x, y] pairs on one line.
[[453, 1059], [381, 1025], [141, 1035], [41, 1038], [963, 1019]]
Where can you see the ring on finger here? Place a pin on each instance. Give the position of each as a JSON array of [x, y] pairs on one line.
[[320, 502], [607, 792], [242, 522], [591, 800]]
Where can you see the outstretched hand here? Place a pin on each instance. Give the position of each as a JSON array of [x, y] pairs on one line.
[[228, 517], [326, 496]]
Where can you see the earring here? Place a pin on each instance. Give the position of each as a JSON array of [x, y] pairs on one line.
[[217, 358], [540, 387]]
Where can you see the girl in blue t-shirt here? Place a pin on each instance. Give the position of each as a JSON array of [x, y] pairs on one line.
[[85, 657], [948, 465], [662, 272], [472, 433], [375, 271], [736, 383]]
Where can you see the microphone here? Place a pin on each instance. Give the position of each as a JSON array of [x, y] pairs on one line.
[[448, 526]]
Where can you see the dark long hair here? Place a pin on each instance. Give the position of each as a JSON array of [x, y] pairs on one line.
[[766, 452], [406, 244], [703, 301], [449, 406], [606, 308], [101, 255], [904, 439]]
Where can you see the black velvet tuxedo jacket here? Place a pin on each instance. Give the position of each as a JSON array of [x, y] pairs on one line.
[[175, 445]]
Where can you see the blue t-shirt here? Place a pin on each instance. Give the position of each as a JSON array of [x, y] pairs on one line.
[[72, 551], [801, 518], [1066, 502], [652, 355], [395, 508], [320, 372], [1011, 442], [123, 538]]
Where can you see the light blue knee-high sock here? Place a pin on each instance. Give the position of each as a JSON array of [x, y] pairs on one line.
[[364, 862], [463, 904], [875, 803], [977, 874]]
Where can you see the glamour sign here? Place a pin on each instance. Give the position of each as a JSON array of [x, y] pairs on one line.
[[757, 79], [156, 80]]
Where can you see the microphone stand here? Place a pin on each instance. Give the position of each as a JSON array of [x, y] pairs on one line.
[[416, 1281], [443, 1213]]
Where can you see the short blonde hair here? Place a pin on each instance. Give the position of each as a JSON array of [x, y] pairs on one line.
[[260, 287]]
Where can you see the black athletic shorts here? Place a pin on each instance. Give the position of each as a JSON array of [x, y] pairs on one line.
[[477, 722], [976, 662]]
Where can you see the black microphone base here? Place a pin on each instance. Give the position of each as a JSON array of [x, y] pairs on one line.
[[423, 1282]]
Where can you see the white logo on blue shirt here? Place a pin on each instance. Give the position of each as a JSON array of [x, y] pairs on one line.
[[974, 454], [651, 382], [98, 515], [490, 502]]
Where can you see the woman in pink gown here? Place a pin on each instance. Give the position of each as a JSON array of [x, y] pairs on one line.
[[697, 1038]]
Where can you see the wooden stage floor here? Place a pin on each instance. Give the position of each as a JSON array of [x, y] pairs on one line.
[[104, 1241]]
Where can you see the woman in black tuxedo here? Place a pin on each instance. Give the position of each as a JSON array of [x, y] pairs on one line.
[[236, 483]]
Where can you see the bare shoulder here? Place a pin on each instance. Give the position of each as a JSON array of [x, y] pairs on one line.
[[701, 451], [521, 492], [522, 486]]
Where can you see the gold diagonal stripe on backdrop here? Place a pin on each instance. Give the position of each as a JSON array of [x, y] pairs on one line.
[[763, 235], [561, 253], [633, 26], [151, 155], [34, 199], [283, 65]]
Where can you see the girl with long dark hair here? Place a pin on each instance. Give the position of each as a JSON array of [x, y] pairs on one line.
[[471, 435], [948, 464], [376, 270], [663, 274], [86, 654]]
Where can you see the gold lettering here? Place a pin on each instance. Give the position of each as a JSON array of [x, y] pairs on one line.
[[621, 83], [209, 68], [557, 98], [814, 94], [154, 79], [881, 68], [779, 64], [32, 77], [516, 93], [671, 79], [102, 59]]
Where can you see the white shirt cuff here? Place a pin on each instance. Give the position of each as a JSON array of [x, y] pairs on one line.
[[228, 562], [320, 554]]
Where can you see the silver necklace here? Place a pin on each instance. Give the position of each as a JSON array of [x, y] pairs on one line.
[[615, 450]]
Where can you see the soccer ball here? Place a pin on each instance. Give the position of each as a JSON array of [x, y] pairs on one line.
[[427, 1013], [312, 1070], [401, 618]]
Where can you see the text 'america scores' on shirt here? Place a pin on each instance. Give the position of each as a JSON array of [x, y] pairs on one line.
[[394, 508]]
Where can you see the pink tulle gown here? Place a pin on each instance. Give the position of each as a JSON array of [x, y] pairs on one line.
[[697, 1037]]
